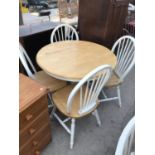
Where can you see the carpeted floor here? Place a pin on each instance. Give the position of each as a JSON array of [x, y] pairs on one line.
[[91, 139]]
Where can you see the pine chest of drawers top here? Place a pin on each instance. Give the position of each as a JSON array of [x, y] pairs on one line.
[[29, 92]]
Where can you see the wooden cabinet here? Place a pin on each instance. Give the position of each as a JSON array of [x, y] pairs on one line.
[[102, 21], [34, 122]]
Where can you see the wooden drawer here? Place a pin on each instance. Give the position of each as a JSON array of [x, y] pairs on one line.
[[31, 130], [37, 143], [46, 140], [32, 112]]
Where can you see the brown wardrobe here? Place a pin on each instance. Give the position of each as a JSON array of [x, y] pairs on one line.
[[102, 21]]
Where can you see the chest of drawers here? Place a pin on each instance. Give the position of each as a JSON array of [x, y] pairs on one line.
[[34, 122]]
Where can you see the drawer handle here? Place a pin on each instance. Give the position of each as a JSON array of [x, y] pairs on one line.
[[37, 152], [28, 117], [35, 143], [32, 131]]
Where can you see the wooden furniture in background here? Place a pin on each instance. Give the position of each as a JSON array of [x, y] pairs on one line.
[[102, 21], [72, 60], [34, 122]]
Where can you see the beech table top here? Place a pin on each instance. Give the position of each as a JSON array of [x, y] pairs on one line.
[[72, 60]]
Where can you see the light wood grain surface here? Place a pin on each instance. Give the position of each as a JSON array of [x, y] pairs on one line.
[[29, 92], [72, 60], [51, 83], [60, 99]]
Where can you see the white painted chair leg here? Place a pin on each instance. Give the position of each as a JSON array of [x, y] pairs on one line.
[[95, 113], [119, 96], [52, 112], [72, 133], [51, 101], [103, 93]]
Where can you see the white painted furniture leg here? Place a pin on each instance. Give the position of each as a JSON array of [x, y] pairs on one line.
[[119, 96], [53, 111], [50, 99], [103, 93], [72, 133], [95, 113]]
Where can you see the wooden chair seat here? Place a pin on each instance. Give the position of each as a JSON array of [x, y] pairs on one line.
[[51, 83], [114, 81], [60, 100]]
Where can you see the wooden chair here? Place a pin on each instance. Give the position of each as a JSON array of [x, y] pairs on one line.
[[126, 140], [64, 32], [51, 83], [124, 48], [76, 101]]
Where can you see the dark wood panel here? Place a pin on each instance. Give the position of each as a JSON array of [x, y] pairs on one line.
[[102, 21], [34, 43]]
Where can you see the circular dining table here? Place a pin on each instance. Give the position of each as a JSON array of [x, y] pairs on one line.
[[72, 60]]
